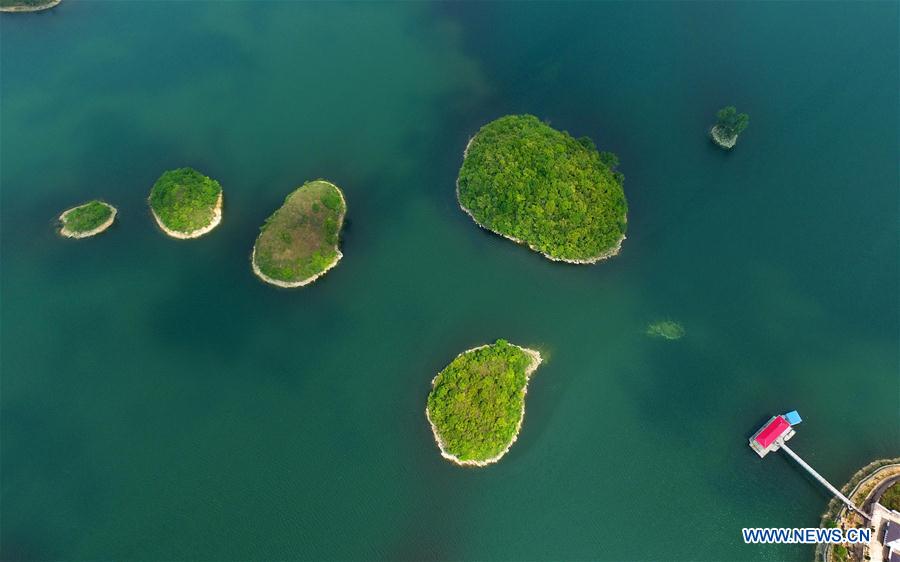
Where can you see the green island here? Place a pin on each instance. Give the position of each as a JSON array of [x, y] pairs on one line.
[[299, 242], [27, 5], [668, 329], [86, 220], [477, 403], [729, 125], [537, 186], [185, 203]]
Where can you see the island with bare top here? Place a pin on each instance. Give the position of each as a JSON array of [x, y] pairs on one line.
[[86, 220], [185, 203], [300, 241], [477, 403], [534, 185]]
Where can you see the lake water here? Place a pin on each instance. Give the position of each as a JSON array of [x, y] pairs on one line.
[[161, 403]]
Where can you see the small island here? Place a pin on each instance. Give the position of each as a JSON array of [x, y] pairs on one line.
[[27, 5], [667, 329], [477, 403], [537, 186], [729, 125], [87, 220], [185, 203], [299, 242]]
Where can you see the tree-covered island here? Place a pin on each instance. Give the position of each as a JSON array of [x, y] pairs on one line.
[[27, 5], [185, 203], [87, 220], [299, 242], [532, 184], [477, 403], [728, 126]]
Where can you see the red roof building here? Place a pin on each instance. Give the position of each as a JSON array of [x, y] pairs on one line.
[[771, 436], [772, 431]]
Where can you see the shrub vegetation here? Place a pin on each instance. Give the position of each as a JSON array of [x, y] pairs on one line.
[[731, 123], [523, 179], [476, 401], [184, 199], [300, 239], [87, 217], [839, 553], [891, 497]]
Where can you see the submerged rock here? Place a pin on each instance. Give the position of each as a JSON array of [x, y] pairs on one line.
[[668, 329]]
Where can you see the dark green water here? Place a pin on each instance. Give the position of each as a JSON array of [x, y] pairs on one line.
[[158, 402]]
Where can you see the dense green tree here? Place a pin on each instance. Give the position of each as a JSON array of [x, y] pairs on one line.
[[476, 401], [526, 180], [730, 122], [87, 217], [184, 199]]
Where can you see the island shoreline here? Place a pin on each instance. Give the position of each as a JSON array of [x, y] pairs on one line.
[[536, 361], [836, 513], [720, 140], [26, 9], [88, 233], [614, 251], [216, 219], [303, 282]]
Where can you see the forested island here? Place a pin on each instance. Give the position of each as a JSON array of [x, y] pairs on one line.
[[185, 203], [728, 126], [477, 403], [86, 220], [537, 186], [27, 5], [299, 242]]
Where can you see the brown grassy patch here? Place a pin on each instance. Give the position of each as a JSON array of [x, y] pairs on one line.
[[300, 239]]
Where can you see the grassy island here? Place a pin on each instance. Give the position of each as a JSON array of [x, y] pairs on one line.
[[185, 203], [477, 403], [537, 186], [87, 220], [299, 242], [728, 126], [27, 5]]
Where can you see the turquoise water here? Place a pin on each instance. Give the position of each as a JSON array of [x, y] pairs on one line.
[[160, 403]]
